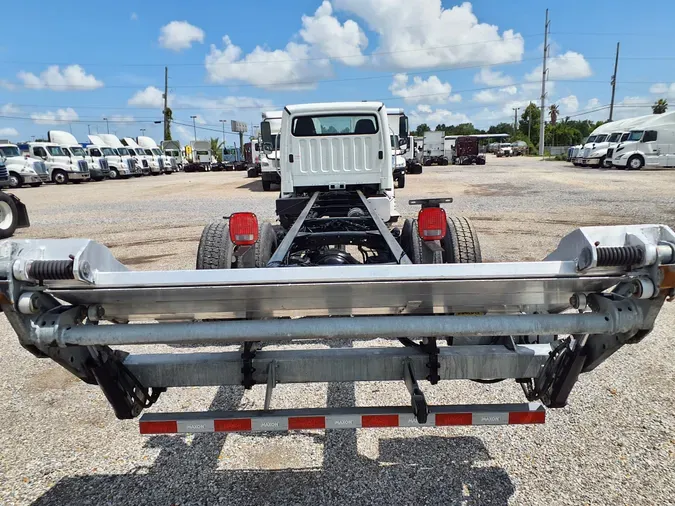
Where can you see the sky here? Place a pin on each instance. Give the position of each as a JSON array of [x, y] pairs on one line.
[[442, 61]]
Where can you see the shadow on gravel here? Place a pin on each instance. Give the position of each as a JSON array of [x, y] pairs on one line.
[[255, 185], [419, 470]]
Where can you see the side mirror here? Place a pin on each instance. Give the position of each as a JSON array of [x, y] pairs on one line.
[[266, 132]]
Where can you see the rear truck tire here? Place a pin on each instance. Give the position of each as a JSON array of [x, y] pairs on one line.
[[252, 172], [267, 185], [460, 244], [15, 180], [9, 216], [215, 249], [601, 165], [411, 243], [400, 180], [113, 174], [59, 177], [266, 246], [635, 162]]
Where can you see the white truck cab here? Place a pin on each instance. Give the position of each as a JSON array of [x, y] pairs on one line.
[[651, 144], [22, 170], [270, 169], [173, 152], [398, 123], [336, 146], [158, 156], [62, 168], [142, 158], [122, 163], [98, 168]]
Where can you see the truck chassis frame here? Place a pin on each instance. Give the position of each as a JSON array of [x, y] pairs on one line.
[[538, 323]]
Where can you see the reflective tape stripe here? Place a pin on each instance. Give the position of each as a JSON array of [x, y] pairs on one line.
[[347, 418]]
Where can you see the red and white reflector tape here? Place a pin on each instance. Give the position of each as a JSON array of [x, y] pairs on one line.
[[346, 418]]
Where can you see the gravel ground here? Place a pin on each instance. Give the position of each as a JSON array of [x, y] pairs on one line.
[[614, 443]]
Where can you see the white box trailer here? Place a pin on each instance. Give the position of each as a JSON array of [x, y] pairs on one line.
[[434, 149], [199, 156]]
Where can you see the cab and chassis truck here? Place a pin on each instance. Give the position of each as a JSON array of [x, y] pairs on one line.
[[339, 267]]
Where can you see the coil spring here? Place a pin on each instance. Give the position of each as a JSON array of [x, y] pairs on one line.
[[619, 256], [51, 269]]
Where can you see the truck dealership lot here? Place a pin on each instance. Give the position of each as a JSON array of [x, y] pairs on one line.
[[61, 444]]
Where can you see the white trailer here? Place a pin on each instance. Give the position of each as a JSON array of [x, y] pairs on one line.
[[199, 156], [434, 149]]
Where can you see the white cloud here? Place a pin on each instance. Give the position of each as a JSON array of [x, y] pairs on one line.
[[9, 109], [9, 132], [570, 65], [288, 68], [569, 104], [134, 16], [663, 89], [7, 85], [593, 103], [432, 90], [54, 118], [150, 97], [490, 77], [423, 113], [333, 39], [72, 77], [179, 35], [424, 34], [496, 95], [121, 118]]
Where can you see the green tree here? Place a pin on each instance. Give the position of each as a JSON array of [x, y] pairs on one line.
[[553, 112], [419, 132], [169, 119], [500, 128], [529, 123], [660, 106], [217, 148]]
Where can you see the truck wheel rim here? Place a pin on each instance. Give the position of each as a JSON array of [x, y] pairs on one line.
[[59, 178], [5, 216], [113, 174], [14, 181], [635, 163]]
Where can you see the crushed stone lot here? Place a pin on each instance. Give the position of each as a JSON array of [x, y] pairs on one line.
[[60, 442]]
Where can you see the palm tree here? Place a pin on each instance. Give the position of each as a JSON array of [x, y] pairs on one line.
[[217, 148], [553, 111], [660, 106]]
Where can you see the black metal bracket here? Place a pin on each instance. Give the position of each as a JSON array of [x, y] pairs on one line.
[[431, 348], [127, 396], [247, 368], [419, 403], [430, 202]]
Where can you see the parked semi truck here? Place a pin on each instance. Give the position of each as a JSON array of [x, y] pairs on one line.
[[270, 169], [466, 151], [166, 164], [123, 161], [338, 268], [650, 143], [62, 169], [173, 150], [434, 149], [199, 156], [98, 167], [20, 169], [142, 158]]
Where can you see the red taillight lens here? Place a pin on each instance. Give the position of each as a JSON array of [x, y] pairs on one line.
[[432, 223], [243, 229]]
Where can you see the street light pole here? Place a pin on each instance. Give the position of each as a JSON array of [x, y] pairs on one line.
[[107, 125], [223, 122], [143, 131], [194, 125]]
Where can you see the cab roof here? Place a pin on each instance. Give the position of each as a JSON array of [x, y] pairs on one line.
[[335, 107]]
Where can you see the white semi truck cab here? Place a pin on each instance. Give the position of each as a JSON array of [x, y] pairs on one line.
[[98, 167], [336, 146], [122, 162], [61, 167], [22, 170], [158, 157], [270, 169], [173, 151], [141, 157]]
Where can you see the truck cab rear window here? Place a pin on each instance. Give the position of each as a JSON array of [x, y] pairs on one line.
[[314, 126]]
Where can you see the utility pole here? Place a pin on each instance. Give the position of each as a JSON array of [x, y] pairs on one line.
[[544, 71], [616, 66], [107, 126], [166, 103], [515, 121], [142, 131], [529, 125], [222, 121], [89, 129], [194, 125]]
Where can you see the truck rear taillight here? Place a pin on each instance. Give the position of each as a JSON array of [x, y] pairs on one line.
[[243, 229], [432, 223]]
